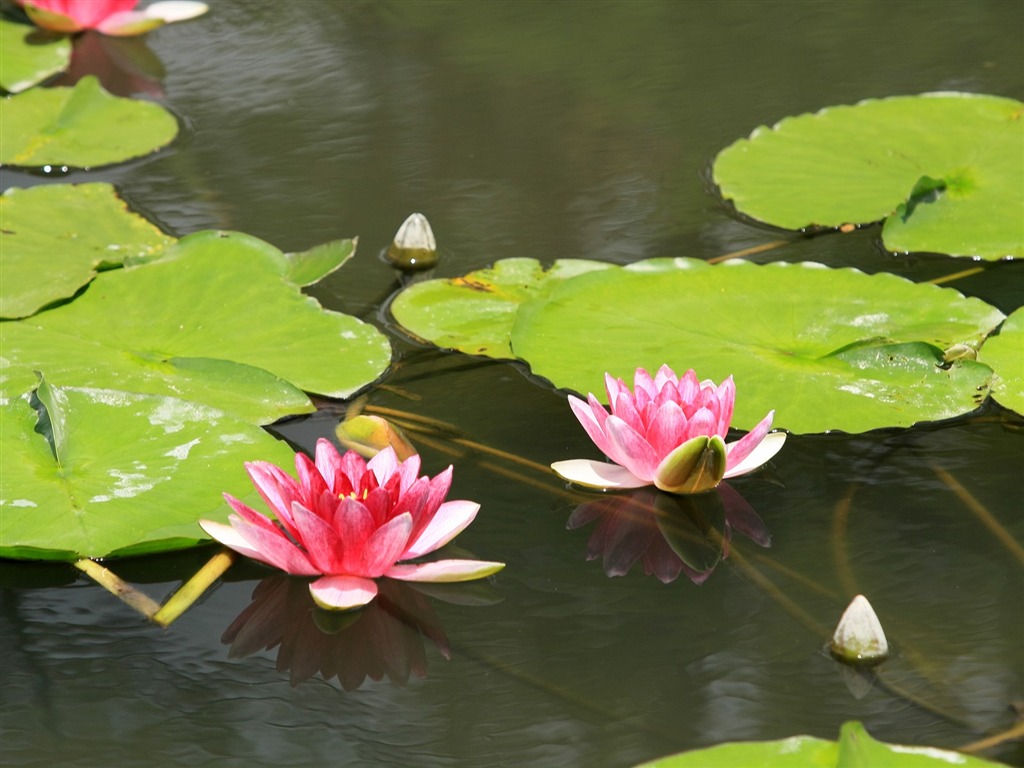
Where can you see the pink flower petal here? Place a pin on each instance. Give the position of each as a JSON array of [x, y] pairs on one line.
[[277, 488], [385, 545], [229, 537], [667, 429], [703, 422], [327, 461], [761, 455], [742, 448], [249, 514], [270, 547], [631, 449], [342, 593], [597, 474], [449, 521], [624, 408], [319, 539], [384, 465], [592, 416], [444, 570], [176, 10], [312, 482]]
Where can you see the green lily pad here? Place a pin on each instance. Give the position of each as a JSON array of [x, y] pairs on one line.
[[312, 266], [827, 349], [82, 127], [194, 325], [1005, 355], [99, 472], [944, 170], [474, 314], [855, 749], [49, 257], [29, 55]]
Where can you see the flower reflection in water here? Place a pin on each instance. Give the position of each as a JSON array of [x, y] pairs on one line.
[[668, 534], [383, 639], [125, 66]]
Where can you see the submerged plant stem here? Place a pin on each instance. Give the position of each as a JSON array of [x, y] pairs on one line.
[[956, 275], [987, 518], [748, 251], [839, 554], [194, 588], [121, 589]]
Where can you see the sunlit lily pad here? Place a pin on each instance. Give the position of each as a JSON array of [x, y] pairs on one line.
[[1005, 355], [97, 472], [827, 349], [855, 749], [28, 55], [474, 314], [313, 265], [55, 238], [944, 170], [82, 127], [177, 326]]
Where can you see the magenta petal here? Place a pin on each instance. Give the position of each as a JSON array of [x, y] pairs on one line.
[[703, 422], [249, 514], [385, 546], [449, 521], [229, 537], [631, 450], [341, 593], [739, 450], [444, 570], [625, 408], [327, 461], [270, 547], [277, 488], [318, 538]]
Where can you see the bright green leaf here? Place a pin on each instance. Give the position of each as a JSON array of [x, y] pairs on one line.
[[1005, 355], [318, 262], [944, 170], [855, 749], [827, 349], [220, 297], [28, 55], [83, 127], [98, 472], [48, 257], [474, 314]]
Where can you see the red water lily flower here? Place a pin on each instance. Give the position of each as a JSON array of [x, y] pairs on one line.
[[351, 521], [111, 17], [669, 432]]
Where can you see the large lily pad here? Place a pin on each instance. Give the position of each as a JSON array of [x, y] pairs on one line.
[[474, 314], [99, 472], [48, 257], [855, 749], [181, 326], [827, 349], [83, 127], [944, 170], [28, 55], [1005, 354]]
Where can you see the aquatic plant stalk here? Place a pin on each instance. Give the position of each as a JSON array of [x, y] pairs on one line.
[[121, 589], [194, 588]]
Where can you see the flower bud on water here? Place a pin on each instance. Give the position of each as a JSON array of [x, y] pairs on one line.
[[414, 247], [859, 638]]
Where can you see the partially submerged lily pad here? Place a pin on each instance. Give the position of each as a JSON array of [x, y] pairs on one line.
[[855, 749], [1005, 354], [48, 257], [194, 325], [945, 171], [82, 127], [827, 349], [28, 55], [103, 472]]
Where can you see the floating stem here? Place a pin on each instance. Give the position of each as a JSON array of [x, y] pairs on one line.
[[194, 588], [118, 587]]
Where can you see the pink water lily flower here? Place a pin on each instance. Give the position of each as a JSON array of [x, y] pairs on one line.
[[351, 521], [669, 432], [111, 17]]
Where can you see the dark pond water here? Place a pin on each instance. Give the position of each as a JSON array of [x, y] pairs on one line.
[[557, 129]]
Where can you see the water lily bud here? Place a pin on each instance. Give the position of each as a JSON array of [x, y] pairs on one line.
[[859, 638], [414, 247], [369, 435]]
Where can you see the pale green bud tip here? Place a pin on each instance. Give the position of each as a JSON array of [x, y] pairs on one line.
[[414, 246], [859, 638]]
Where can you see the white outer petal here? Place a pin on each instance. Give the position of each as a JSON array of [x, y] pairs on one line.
[[176, 10], [761, 455], [597, 474]]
